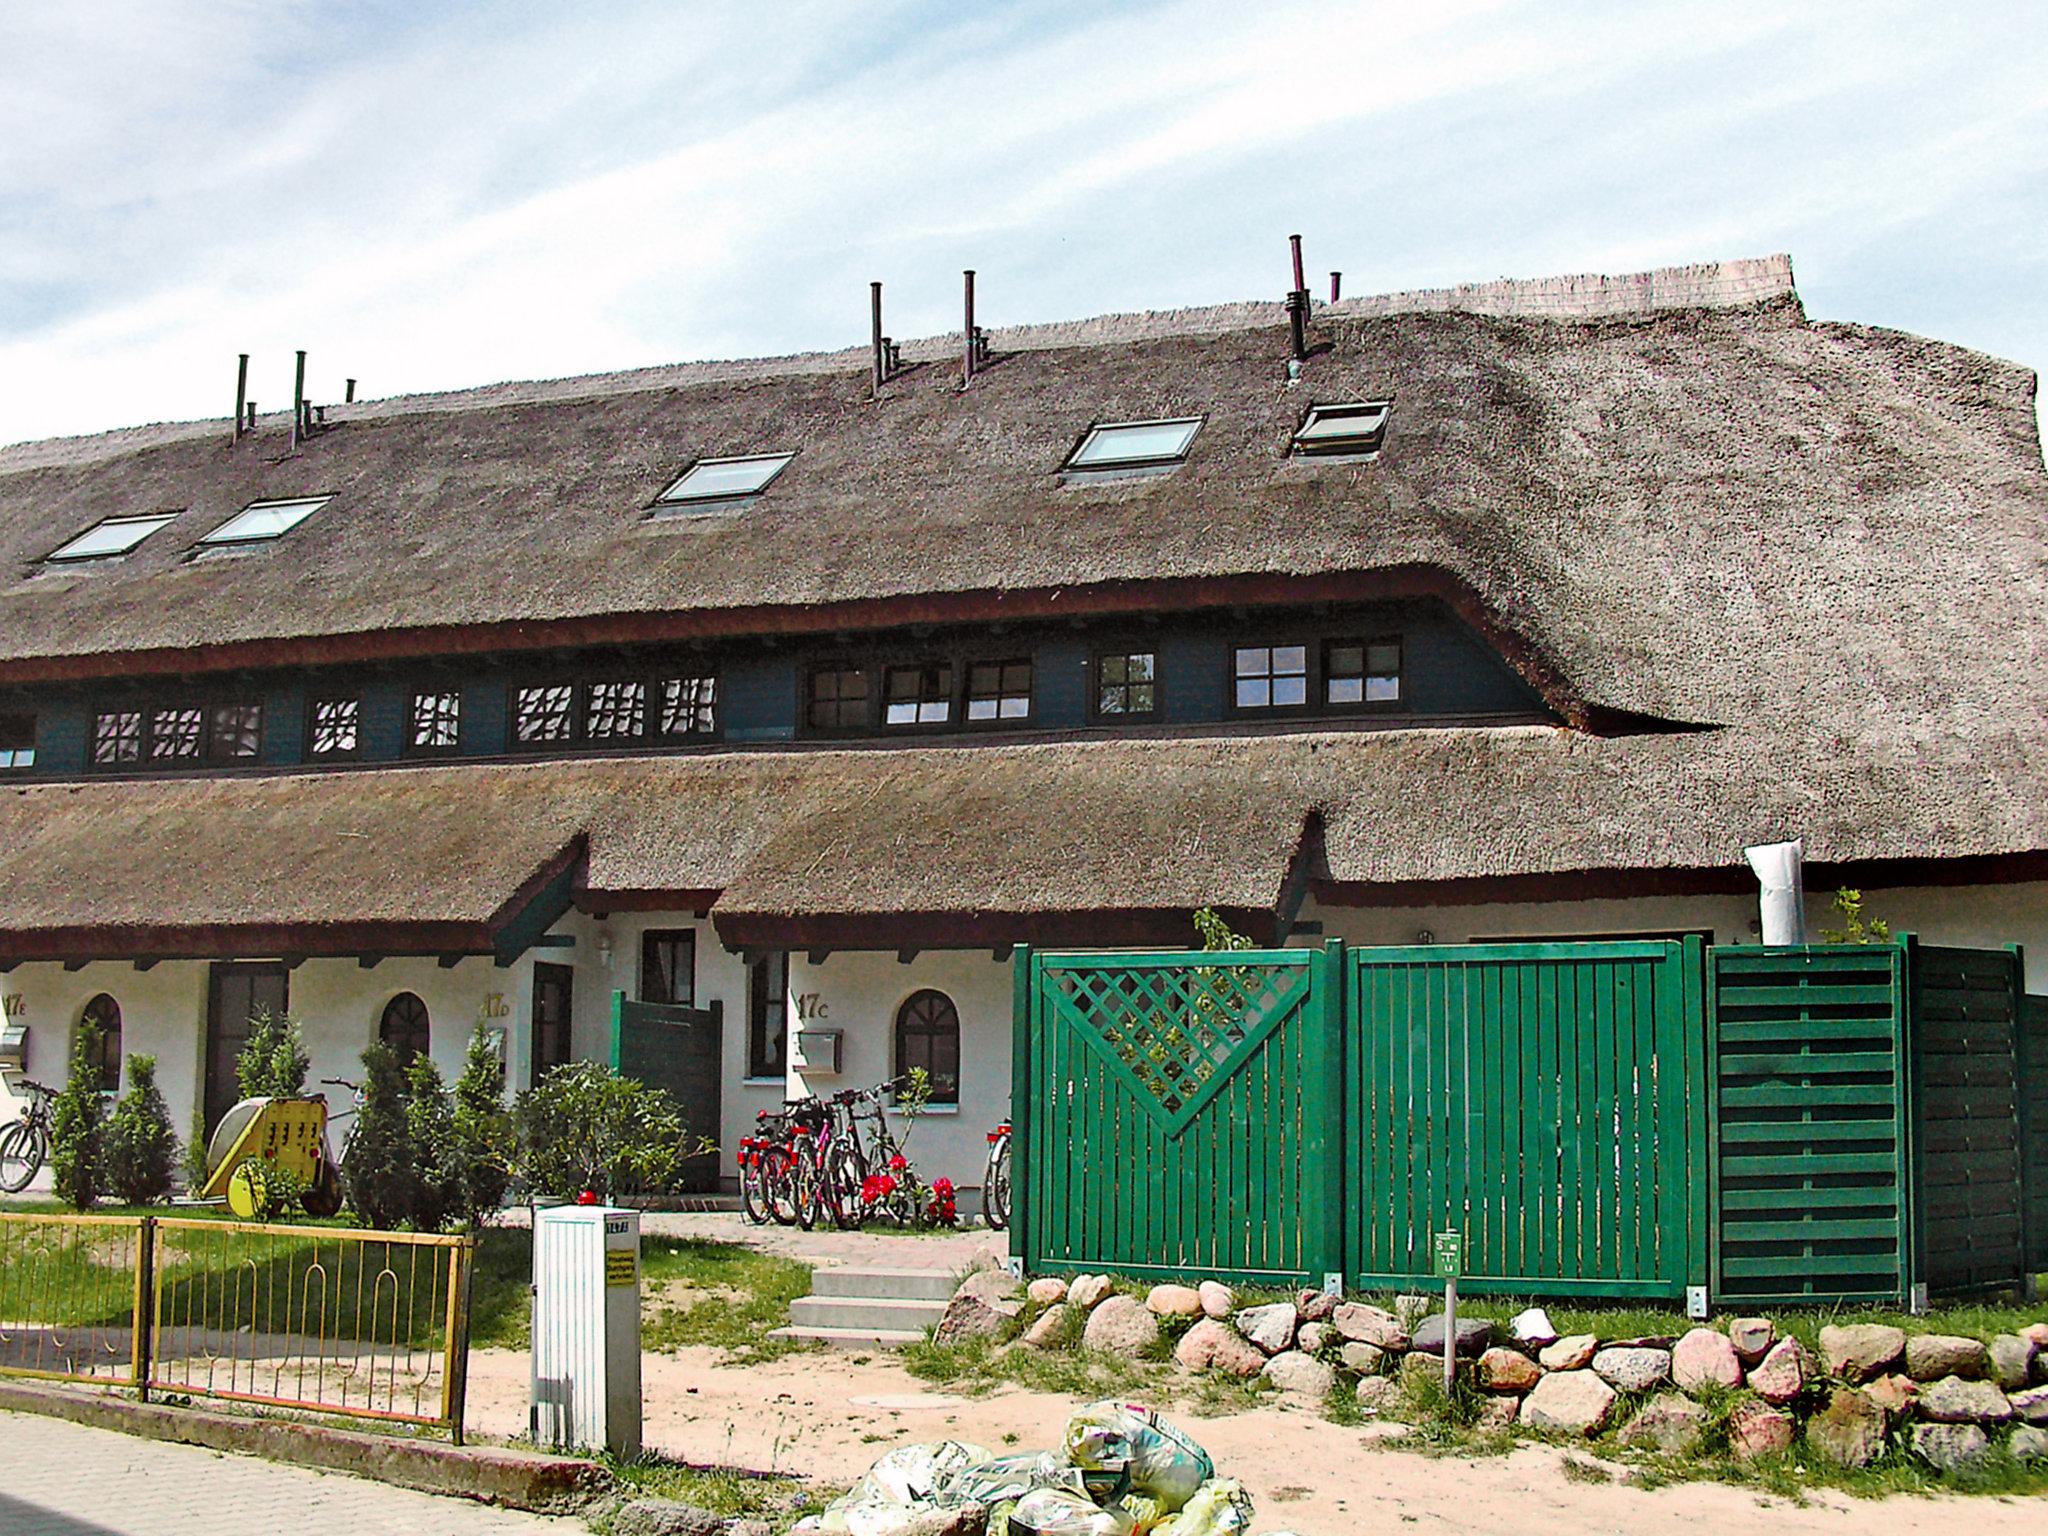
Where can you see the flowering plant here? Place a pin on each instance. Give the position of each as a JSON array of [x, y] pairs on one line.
[[943, 1210], [876, 1187], [898, 1163]]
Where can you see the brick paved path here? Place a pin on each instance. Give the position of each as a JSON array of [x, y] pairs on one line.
[[59, 1479]]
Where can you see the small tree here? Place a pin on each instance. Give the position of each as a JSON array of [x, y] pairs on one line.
[[274, 1062], [79, 1124], [1856, 928], [380, 1173], [585, 1127], [437, 1161], [483, 1134], [142, 1149], [195, 1149]]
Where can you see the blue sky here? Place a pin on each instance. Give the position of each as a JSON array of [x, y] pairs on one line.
[[428, 196]]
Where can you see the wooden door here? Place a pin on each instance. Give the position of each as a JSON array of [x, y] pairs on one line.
[[238, 991]]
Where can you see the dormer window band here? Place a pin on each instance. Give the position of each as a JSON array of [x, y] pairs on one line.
[[1128, 445], [721, 480], [110, 536], [262, 521]]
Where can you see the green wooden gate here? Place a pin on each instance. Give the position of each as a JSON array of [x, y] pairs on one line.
[[2033, 1055], [1175, 1113], [1536, 1097], [678, 1050]]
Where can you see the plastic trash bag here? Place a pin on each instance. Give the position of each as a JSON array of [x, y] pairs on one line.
[[1220, 1507], [1006, 1479], [1158, 1460], [903, 1486], [1145, 1511], [1061, 1512]]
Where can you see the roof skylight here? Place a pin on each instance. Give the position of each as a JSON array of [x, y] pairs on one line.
[[262, 521], [1135, 444], [726, 479], [1357, 426], [111, 536]]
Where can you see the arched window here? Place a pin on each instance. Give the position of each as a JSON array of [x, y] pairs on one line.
[[404, 1027], [928, 1036], [105, 1013]]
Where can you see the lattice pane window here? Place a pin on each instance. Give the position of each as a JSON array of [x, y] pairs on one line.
[[1362, 672], [999, 690], [1128, 684], [337, 727], [176, 735], [544, 714], [117, 737], [1272, 676], [839, 698], [689, 705], [921, 695], [615, 711], [234, 731], [436, 721], [17, 741]]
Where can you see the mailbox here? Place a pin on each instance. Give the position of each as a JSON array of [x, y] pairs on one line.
[[13, 1048]]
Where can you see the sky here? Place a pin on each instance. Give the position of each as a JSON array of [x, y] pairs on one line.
[[427, 196]]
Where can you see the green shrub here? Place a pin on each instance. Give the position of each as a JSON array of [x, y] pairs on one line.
[[141, 1147], [79, 1124], [273, 1063], [195, 1148], [483, 1135], [437, 1162], [585, 1127], [379, 1173]]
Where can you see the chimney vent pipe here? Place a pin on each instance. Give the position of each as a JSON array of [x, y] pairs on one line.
[[251, 427], [1294, 246], [298, 398], [967, 334], [876, 339], [1781, 874], [349, 398], [1336, 286], [241, 393], [1297, 304]]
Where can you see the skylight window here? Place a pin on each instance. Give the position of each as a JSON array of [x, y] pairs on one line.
[[1358, 426], [261, 521], [726, 479], [112, 536], [1135, 444]]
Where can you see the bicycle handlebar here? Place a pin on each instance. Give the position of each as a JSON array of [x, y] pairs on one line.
[[35, 1087]]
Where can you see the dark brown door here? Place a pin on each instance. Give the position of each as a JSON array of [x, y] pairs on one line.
[[554, 991], [239, 991]]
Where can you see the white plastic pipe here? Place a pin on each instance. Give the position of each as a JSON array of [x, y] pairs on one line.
[[1780, 871]]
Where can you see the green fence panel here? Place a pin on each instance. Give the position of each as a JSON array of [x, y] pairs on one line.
[[1811, 1170], [678, 1050], [2033, 1059], [1174, 1125], [1535, 1096], [1969, 1226]]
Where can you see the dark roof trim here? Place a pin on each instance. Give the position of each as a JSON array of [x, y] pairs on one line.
[[1151, 927], [254, 941], [1097, 600], [539, 903]]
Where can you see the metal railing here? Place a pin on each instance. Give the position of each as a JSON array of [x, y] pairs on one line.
[[370, 1325]]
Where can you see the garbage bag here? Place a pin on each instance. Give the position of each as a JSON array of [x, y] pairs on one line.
[[1006, 1479], [1220, 1507], [903, 1486], [1061, 1512], [1145, 1511], [1156, 1458]]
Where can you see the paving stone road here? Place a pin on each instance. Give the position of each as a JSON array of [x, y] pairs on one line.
[[62, 1479]]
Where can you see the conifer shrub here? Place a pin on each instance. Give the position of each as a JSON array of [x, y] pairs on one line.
[[79, 1124], [483, 1134], [141, 1146], [379, 1173], [437, 1162], [274, 1062]]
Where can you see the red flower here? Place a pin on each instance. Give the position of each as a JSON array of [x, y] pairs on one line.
[[876, 1187], [898, 1163]]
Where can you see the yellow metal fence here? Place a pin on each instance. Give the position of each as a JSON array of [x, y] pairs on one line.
[[371, 1325]]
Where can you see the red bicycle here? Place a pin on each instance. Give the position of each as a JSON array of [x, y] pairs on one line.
[[995, 1178]]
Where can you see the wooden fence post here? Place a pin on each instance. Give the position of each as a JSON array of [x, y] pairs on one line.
[[1023, 1023], [1323, 1099]]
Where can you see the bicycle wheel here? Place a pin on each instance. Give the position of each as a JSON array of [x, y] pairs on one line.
[[21, 1157], [845, 1172], [753, 1196], [781, 1188], [805, 1181], [995, 1186]]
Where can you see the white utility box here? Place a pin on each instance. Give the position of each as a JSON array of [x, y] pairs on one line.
[[586, 1329]]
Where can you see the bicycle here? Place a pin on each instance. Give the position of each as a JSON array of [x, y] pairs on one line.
[[878, 1175], [25, 1143], [755, 1153], [995, 1179]]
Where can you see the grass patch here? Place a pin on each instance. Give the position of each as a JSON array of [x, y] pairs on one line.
[[725, 1491], [978, 1366]]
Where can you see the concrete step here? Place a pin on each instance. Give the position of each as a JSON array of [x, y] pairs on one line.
[[852, 1338], [894, 1284], [887, 1314]]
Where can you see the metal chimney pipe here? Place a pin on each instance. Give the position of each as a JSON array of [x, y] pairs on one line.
[[350, 397], [967, 339], [1336, 286], [1297, 303], [881, 369], [241, 393], [251, 427], [298, 398], [1781, 872]]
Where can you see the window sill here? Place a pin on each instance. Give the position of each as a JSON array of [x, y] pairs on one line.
[[930, 1109], [764, 1082]]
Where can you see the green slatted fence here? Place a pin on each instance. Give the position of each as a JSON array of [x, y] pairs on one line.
[[1812, 1142], [2033, 1056]]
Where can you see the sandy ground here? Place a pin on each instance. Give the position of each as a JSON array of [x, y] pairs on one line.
[[825, 1417]]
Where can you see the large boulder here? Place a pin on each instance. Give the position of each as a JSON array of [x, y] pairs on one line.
[[1088, 1291], [1497, 1412], [1507, 1370], [1849, 1431], [1858, 1351], [1705, 1358], [1752, 1338], [1894, 1394], [1931, 1356], [1949, 1446], [1366, 1359], [1952, 1400], [1050, 1328], [998, 1287], [2031, 1405], [1379, 1395], [1213, 1345], [1314, 1306], [1569, 1402], [1633, 1369], [1047, 1290], [1370, 1325], [1174, 1301], [1270, 1327], [1532, 1328], [1781, 1374], [2027, 1443], [970, 1317], [1218, 1299], [665, 1517], [1671, 1423], [1573, 1352], [1121, 1326], [1300, 1375], [1313, 1337], [1474, 1333], [2012, 1360], [1757, 1430]]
